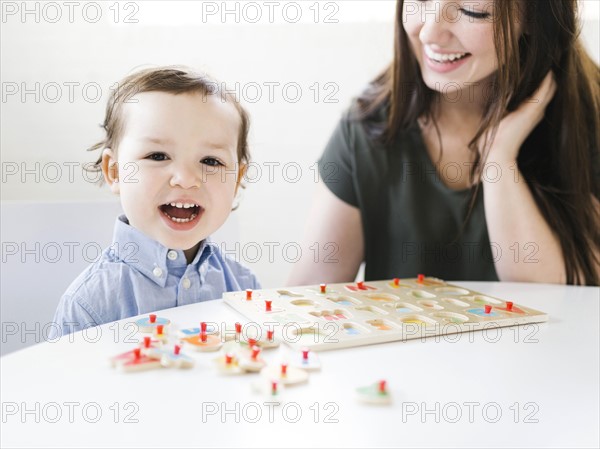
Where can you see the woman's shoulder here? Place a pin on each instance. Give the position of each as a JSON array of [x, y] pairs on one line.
[[365, 123], [364, 111]]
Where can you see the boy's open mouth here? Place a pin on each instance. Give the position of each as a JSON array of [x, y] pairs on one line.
[[180, 212]]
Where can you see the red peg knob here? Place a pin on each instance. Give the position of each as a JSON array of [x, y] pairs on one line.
[[255, 352], [305, 354], [268, 305], [203, 337], [137, 353], [509, 305], [323, 288], [270, 335], [177, 349], [273, 387], [228, 359], [488, 308], [153, 318], [203, 327], [360, 285], [251, 342], [283, 369], [159, 329], [248, 294], [238, 328], [396, 281], [420, 278], [146, 342], [382, 386]]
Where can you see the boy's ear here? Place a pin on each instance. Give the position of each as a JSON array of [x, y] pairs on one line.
[[110, 170], [241, 174]]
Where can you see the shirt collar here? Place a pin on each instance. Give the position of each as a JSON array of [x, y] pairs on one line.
[[149, 257]]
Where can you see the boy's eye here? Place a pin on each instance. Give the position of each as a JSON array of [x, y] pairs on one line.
[[157, 157], [211, 161]]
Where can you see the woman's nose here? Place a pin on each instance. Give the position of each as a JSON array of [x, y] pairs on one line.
[[437, 18]]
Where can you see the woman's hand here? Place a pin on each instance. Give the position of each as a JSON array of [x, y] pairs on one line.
[[517, 125], [512, 215]]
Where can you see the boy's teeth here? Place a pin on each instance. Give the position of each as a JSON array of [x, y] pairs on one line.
[[183, 220], [182, 205]]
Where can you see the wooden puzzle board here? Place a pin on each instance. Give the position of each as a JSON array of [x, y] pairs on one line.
[[348, 315]]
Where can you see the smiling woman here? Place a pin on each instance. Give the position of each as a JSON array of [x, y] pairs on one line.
[[438, 54], [474, 85]]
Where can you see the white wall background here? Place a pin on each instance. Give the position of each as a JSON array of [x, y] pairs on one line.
[[54, 132]]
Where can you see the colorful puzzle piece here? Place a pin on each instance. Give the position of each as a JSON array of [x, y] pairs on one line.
[[148, 324], [229, 364], [251, 360], [149, 343], [360, 286], [375, 394], [307, 360], [482, 312], [134, 361], [202, 343], [271, 389], [268, 342], [510, 307], [209, 328], [232, 333], [267, 307], [287, 375], [323, 289], [160, 334], [171, 357]]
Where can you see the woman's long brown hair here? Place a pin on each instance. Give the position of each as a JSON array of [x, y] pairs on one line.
[[560, 159]]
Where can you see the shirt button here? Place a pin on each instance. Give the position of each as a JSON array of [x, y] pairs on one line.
[[186, 283], [172, 255], [157, 272]]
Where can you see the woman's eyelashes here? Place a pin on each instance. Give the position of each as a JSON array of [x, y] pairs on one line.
[[467, 12], [475, 14]]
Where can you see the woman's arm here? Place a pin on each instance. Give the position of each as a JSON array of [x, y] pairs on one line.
[[334, 222], [530, 251]]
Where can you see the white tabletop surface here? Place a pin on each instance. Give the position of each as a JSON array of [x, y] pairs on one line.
[[535, 385]]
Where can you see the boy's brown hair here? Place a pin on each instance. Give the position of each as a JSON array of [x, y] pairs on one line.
[[170, 79]]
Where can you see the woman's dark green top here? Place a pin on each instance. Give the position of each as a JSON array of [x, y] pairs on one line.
[[412, 222]]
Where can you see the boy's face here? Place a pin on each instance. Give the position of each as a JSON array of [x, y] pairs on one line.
[[176, 151]]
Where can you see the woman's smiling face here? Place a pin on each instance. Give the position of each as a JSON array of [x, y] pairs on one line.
[[453, 41]]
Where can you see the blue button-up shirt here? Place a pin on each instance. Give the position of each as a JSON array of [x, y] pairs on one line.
[[137, 275]]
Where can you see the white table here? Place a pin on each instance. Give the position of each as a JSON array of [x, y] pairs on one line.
[[520, 386]]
